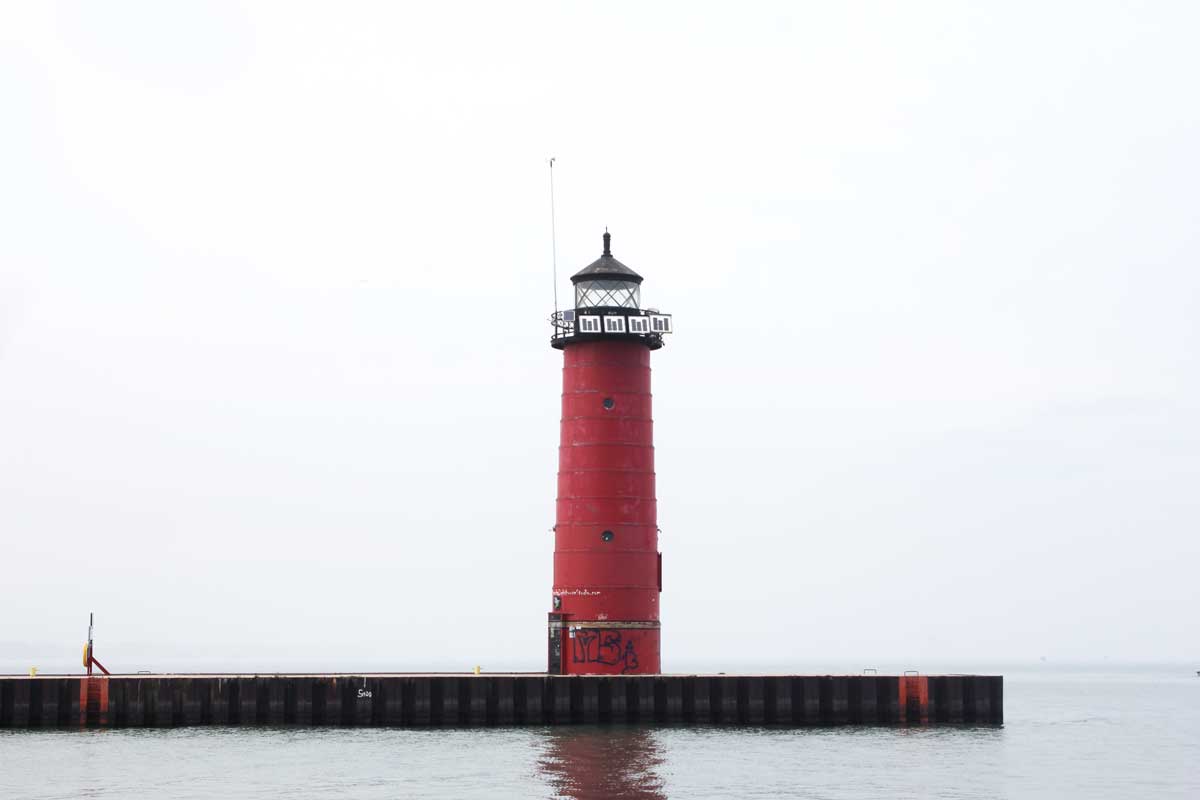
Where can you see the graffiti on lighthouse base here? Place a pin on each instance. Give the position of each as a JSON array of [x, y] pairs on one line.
[[609, 648]]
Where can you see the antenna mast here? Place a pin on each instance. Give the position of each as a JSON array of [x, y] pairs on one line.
[[553, 240]]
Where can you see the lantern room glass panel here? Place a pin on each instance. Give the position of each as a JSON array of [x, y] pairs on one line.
[[607, 294]]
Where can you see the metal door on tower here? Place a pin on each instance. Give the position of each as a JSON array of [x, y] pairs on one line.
[[554, 655]]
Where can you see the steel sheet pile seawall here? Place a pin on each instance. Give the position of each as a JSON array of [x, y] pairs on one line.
[[509, 699], [607, 568]]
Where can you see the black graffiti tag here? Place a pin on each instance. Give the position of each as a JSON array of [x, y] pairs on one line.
[[604, 647]]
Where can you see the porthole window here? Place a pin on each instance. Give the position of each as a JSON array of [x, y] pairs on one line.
[[607, 536], [609, 403]]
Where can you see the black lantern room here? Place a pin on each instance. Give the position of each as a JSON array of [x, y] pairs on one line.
[[607, 283], [608, 298]]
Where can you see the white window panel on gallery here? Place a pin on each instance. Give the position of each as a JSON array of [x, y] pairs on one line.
[[614, 324], [589, 324]]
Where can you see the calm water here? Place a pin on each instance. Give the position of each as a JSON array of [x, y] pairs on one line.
[[1093, 735]]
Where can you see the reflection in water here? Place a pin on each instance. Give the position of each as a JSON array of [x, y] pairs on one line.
[[602, 763]]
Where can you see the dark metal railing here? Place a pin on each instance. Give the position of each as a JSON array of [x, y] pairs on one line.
[[563, 323], [564, 326]]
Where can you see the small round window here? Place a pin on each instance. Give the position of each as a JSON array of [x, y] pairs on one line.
[[607, 536], [609, 403]]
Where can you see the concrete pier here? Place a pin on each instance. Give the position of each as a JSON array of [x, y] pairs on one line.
[[414, 700]]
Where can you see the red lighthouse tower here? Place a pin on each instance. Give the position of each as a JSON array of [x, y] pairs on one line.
[[607, 568]]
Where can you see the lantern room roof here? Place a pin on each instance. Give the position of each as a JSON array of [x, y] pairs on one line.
[[606, 267]]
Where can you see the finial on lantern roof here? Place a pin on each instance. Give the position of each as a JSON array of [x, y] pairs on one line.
[[606, 267]]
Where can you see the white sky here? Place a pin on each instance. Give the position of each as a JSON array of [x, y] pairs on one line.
[[275, 383]]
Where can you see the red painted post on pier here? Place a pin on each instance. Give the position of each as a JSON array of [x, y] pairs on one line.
[[89, 649], [607, 568]]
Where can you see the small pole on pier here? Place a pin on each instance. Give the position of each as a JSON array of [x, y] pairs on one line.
[[89, 654]]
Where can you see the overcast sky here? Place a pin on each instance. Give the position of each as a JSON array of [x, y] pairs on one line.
[[275, 382]]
